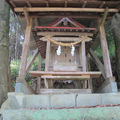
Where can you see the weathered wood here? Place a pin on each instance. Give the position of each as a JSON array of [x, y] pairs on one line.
[[26, 16], [64, 33], [47, 63], [22, 71], [65, 3], [80, 54], [41, 73], [98, 63], [47, 3], [63, 91], [28, 3], [83, 56], [106, 58], [68, 39], [13, 4], [46, 83], [104, 16], [67, 77], [30, 62], [84, 4], [47, 56], [65, 66], [52, 9], [39, 78]]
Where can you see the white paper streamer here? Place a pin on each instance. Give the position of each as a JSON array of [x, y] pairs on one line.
[[72, 50], [59, 50]]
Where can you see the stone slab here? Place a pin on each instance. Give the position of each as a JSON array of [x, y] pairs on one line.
[[62, 100], [37, 101], [100, 113], [88, 100], [111, 98]]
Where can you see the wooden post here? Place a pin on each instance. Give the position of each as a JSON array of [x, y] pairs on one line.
[[39, 78], [106, 58], [83, 56], [47, 56], [47, 62], [22, 71]]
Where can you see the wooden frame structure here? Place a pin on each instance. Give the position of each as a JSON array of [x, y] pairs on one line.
[[31, 10]]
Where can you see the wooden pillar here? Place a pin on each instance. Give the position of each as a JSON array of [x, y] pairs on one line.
[[39, 78], [23, 64], [47, 56], [47, 62], [106, 58], [83, 56]]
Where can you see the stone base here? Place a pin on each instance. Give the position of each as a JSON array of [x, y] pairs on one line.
[[20, 87], [109, 88], [22, 101]]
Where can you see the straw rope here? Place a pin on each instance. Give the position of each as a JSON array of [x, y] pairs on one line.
[[65, 44]]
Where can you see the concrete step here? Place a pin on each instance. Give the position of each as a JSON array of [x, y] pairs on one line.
[[100, 113], [20, 100]]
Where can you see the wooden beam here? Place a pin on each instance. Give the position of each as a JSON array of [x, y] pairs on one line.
[[67, 77], [26, 16], [47, 55], [102, 4], [104, 16], [13, 4], [106, 58], [84, 4], [47, 3], [64, 33], [83, 56], [41, 73], [65, 4], [58, 9], [22, 71], [68, 39], [65, 15], [39, 78], [98, 63], [63, 91], [29, 4], [118, 7], [30, 62]]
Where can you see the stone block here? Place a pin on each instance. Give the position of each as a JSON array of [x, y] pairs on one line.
[[37, 101], [19, 87], [88, 100], [62, 100], [110, 98]]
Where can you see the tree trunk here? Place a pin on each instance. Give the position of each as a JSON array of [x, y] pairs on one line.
[[4, 50], [115, 28]]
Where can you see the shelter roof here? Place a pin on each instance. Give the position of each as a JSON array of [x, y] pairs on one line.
[[89, 8]]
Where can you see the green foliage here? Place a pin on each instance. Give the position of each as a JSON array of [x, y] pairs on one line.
[[15, 66]]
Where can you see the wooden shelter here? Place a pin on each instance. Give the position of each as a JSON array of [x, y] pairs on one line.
[[62, 26]]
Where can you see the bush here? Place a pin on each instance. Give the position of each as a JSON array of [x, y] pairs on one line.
[[15, 66]]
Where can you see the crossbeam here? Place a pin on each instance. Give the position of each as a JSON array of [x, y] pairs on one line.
[[60, 9], [67, 77], [42, 73]]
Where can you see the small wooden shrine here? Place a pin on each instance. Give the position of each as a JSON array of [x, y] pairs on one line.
[[53, 31]]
